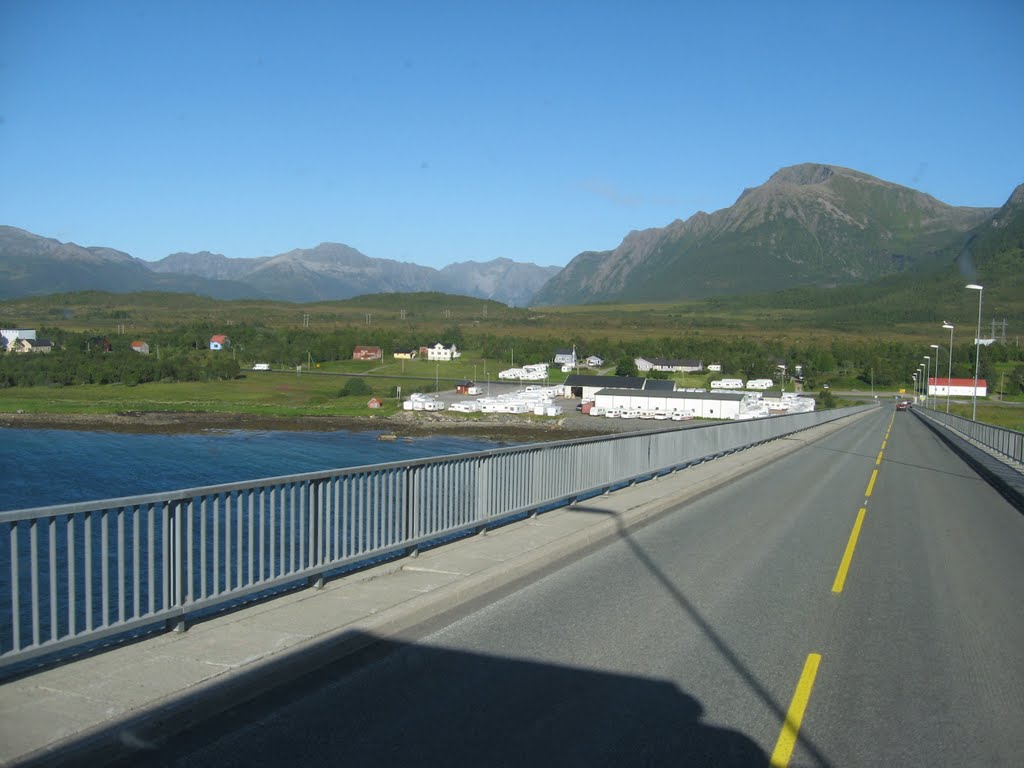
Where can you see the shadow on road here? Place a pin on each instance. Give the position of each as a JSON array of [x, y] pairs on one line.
[[410, 704]]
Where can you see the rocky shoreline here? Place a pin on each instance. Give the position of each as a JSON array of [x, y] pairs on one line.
[[491, 426]]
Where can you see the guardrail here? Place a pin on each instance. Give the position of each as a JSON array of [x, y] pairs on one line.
[[77, 573], [1007, 442]]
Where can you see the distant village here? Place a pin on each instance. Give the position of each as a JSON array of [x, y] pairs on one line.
[[594, 393]]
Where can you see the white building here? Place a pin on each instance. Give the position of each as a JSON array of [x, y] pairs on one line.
[[565, 357], [644, 364], [13, 334], [940, 387], [586, 387], [703, 405], [441, 352]]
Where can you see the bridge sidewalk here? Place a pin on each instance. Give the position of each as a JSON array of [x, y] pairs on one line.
[[98, 706]]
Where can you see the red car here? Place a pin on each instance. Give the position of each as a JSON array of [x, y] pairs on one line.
[[903, 405]]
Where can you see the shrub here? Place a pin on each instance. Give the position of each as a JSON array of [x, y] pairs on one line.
[[356, 386]]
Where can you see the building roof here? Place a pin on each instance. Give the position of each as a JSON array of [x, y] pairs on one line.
[[218, 337], [585, 380], [659, 385], [734, 396], [667, 362], [944, 382]]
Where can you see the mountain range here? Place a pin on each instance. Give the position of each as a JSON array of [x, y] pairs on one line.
[[809, 225], [31, 265]]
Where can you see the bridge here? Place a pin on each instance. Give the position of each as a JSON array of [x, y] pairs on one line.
[[838, 595]]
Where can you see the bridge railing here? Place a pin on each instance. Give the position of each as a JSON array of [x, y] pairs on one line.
[[78, 573], [1007, 442]]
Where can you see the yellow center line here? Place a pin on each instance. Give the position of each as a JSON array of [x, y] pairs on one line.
[[791, 727], [878, 461], [851, 544], [871, 483]]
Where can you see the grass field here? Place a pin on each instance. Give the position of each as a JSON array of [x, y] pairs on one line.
[[427, 316]]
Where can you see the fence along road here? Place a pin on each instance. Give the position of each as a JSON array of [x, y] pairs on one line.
[[78, 573]]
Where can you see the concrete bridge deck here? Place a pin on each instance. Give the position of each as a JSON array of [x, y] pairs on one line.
[[93, 708]]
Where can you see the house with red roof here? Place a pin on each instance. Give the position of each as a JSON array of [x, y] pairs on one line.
[[362, 352], [940, 386], [219, 341]]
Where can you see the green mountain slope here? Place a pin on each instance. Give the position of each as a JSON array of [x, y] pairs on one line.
[[809, 224]]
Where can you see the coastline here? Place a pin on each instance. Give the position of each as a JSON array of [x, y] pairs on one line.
[[496, 426]]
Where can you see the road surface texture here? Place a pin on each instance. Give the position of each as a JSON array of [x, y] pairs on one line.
[[855, 603]]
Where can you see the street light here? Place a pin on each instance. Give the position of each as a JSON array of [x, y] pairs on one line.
[[949, 368], [977, 349], [927, 378], [915, 386], [938, 350], [920, 370]]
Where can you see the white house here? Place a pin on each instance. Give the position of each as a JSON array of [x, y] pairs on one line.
[[940, 387], [594, 361], [13, 334], [219, 341], [565, 357], [644, 364], [441, 351], [715, 367]]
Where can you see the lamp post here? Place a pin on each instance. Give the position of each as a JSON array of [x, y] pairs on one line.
[[915, 386], [920, 371], [949, 367], [938, 350], [977, 349], [927, 377]]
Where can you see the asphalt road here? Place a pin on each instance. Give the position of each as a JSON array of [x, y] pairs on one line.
[[692, 640]]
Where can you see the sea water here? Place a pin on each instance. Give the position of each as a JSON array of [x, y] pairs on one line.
[[43, 467]]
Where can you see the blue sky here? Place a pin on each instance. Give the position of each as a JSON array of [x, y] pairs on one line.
[[437, 132]]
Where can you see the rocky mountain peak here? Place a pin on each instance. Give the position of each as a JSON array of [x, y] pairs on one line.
[[804, 174]]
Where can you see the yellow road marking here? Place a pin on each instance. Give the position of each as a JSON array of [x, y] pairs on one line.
[[851, 544], [878, 461], [871, 484], [791, 727]]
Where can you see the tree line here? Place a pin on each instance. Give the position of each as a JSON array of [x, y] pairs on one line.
[[181, 354]]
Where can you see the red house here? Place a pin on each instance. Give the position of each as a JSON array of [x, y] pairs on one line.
[[367, 353]]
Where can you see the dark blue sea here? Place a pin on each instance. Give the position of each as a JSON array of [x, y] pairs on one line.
[[44, 467]]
